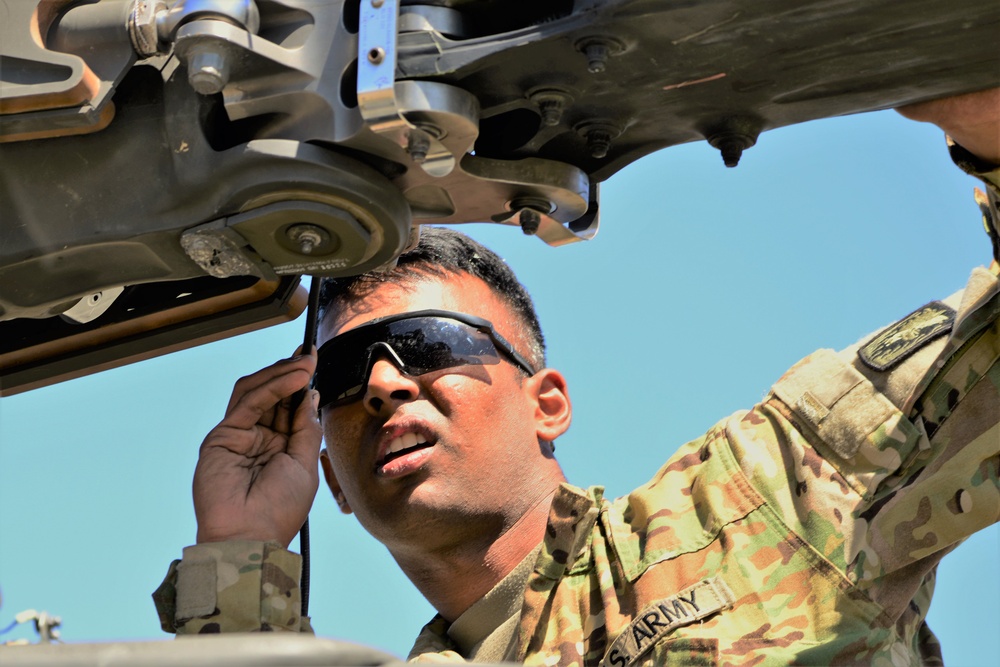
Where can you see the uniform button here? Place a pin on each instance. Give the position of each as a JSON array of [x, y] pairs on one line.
[[964, 501]]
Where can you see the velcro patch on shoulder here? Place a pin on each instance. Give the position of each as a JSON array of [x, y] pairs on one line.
[[907, 336], [663, 616]]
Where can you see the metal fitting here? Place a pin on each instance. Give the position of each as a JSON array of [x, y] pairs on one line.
[[530, 220], [598, 50], [242, 13], [599, 134], [732, 136], [417, 145], [599, 143], [552, 102], [208, 68], [142, 26], [529, 212], [309, 238], [597, 57]]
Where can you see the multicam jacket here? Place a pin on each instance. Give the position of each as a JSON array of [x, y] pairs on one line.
[[806, 530]]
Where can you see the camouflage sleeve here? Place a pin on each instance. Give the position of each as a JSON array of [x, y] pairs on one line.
[[885, 456], [238, 586]]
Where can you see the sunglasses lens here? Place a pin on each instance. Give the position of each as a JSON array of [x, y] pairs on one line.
[[428, 344], [423, 344]]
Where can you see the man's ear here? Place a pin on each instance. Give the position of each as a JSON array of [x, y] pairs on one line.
[[331, 481], [553, 410]]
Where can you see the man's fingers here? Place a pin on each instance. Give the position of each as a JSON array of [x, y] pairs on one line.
[[251, 382], [307, 433], [252, 407], [264, 401]]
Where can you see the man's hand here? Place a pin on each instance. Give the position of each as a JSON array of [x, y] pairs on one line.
[[971, 120], [254, 481]]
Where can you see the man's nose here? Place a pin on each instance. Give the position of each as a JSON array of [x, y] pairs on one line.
[[388, 386]]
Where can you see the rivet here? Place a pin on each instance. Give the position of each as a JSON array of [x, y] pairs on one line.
[[376, 55]]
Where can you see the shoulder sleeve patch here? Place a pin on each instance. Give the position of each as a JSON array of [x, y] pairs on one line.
[[906, 336], [663, 616]]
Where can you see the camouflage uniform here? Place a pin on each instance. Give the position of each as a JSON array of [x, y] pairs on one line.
[[806, 530]]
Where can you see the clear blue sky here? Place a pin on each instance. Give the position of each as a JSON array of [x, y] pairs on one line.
[[702, 287]]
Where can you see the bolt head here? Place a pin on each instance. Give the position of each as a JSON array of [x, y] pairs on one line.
[[530, 220], [208, 69], [597, 58]]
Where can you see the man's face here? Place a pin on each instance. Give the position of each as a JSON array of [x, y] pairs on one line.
[[468, 436]]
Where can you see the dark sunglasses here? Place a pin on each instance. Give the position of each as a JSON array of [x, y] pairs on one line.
[[417, 343]]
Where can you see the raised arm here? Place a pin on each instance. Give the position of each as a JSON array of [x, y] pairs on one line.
[[972, 121]]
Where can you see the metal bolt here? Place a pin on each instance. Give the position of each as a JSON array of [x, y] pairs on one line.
[[599, 142], [208, 69], [376, 55], [377, 3], [307, 237], [530, 219], [552, 111], [308, 242], [733, 135], [732, 151], [551, 102], [597, 57], [417, 145]]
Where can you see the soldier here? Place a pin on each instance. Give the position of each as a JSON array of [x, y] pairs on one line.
[[805, 530]]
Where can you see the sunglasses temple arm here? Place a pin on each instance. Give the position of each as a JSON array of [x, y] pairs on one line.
[[308, 343]]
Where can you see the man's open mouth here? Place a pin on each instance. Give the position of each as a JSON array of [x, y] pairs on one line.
[[403, 445]]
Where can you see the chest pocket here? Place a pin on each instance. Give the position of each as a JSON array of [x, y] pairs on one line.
[[683, 508]]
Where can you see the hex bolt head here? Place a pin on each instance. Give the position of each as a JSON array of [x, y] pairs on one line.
[[208, 69]]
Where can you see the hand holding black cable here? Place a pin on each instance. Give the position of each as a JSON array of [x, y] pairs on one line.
[[308, 343]]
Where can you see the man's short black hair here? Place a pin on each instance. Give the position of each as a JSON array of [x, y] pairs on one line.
[[439, 253]]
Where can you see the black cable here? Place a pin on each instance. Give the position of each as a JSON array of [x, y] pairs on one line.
[[308, 342]]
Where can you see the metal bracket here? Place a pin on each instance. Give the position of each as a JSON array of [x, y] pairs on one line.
[[377, 91]]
